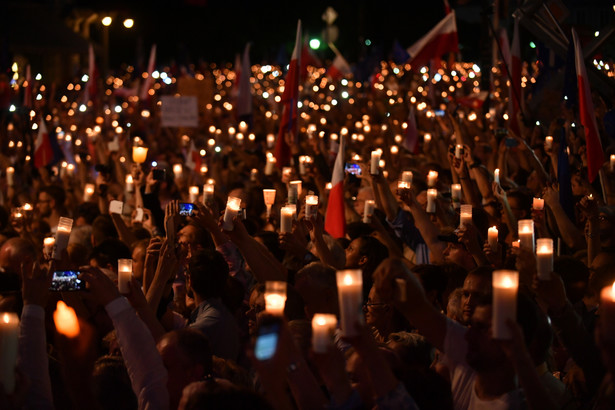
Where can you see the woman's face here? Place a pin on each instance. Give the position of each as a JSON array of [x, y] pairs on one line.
[[255, 311], [377, 312]]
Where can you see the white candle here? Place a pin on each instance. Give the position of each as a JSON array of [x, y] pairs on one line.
[[9, 337], [407, 176], [48, 244], [270, 140], [496, 176], [432, 179], [65, 225], [275, 297], [193, 192], [544, 258], [88, 191], [66, 320], [432, 194], [505, 286], [253, 174], [177, 171], [294, 191], [368, 210], [607, 312], [323, 329], [526, 234], [130, 186], [302, 168], [456, 195], [204, 169], [10, 176], [286, 219], [612, 162], [349, 291], [208, 193], [124, 273], [311, 206], [401, 185], [538, 204], [139, 154], [492, 238], [375, 159], [233, 205], [465, 216], [458, 151], [270, 164], [548, 142], [269, 197]]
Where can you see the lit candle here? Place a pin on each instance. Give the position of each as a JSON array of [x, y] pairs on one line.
[[208, 193], [548, 142], [48, 245], [323, 329], [544, 258], [505, 286], [407, 176], [9, 337], [275, 297], [375, 159], [456, 195], [65, 226], [538, 204], [88, 192], [139, 154], [458, 151], [269, 197], [427, 138], [270, 140], [349, 291], [243, 127], [124, 273], [270, 164], [432, 194], [294, 191], [368, 210], [612, 162], [66, 320], [70, 168], [233, 205], [204, 169], [193, 193], [492, 238], [401, 185], [177, 171], [10, 176], [526, 233], [311, 206], [328, 186], [130, 187], [432, 179], [286, 219], [253, 174], [302, 168], [465, 216], [516, 244], [394, 150], [607, 312], [496, 176]]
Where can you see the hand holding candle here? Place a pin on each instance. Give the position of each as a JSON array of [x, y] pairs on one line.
[[323, 328], [233, 205], [124, 274], [456, 195], [375, 160], [286, 219], [275, 297], [492, 238], [504, 306], [65, 226], [368, 211], [311, 206], [544, 258], [349, 291], [9, 337], [432, 194]]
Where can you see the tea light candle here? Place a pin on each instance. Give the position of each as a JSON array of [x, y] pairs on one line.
[[368, 210], [124, 273], [465, 216], [177, 171], [607, 312], [9, 337], [65, 225], [432, 179], [492, 238], [349, 291], [269, 197], [275, 297], [66, 320], [544, 258], [269, 165], [10, 176], [432, 194], [294, 191], [286, 219], [458, 151], [407, 176], [496, 176], [88, 192], [538, 204], [505, 286], [375, 159], [233, 205], [311, 206], [323, 329], [456, 195], [139, 154], [48, 245], [548, 142], [612, 162], [208, 193], [526, 233], [130, 186]]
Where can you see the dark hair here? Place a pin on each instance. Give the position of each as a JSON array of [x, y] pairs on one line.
[[525, 200], [573, 272], [111, 384], [208, 272], [357, 229], [195, 346], [88, 211], [103, 228], [109, 251], [376, 252], [55, 192]]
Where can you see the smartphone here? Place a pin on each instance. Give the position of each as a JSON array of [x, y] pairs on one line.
[[186, 209], [116, 207], [66, 281], [353, 169], [158, 174], [439, 113], [139, 215], [511, 142], [267, 341]]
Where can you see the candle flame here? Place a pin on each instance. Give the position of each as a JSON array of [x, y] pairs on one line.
[[348, 279], [6, 318], [613, 291], [507, 282]]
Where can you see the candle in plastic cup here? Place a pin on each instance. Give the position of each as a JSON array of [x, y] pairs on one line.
[[432, 194], [9, 341], [177, 171], [130, 186], [269, 197], [496, 176], [492, 238], [311, 206], [275, 297], [401, 185], [544, 258], [139, 154], [10, 176], [607, 313], [526, 233], [286, 219], [66, 320], [208, 193], [233, 205], [548, 142], [193, 192], [294, 191], [368, 210], [432, 179], [458, 150], [612, 162], [323, 329], [504, 306], [538, 204], [349, 291], [65, 226], [456, 195], [269, 165], [407, 176], [465, 216], [375, 159], [88, 192], [124, 273]]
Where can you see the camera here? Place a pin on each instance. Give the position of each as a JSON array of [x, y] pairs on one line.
[[66, 281]]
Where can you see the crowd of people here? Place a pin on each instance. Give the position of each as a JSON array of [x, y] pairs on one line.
[[185, 332]]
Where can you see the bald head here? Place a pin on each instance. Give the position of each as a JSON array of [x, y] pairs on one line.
[[16, 251]]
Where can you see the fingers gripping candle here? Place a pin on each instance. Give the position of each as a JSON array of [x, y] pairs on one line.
[[349, 288]]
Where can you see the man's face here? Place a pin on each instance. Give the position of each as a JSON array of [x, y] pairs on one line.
[[186, 238], [44, 204], [484, 353], [475, 288], [257, 309], [353, 257], [456, 252]]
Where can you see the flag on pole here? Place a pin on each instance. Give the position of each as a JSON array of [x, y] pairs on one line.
[[193, 157], [514, 104], [440, 40], [339, 69], [411, 136], [244, 94], [595, 155], [288, 121], [308, 58], [43, 153], [447, 7], [335, 218], [150, 69], [27, 92], [92, 88]]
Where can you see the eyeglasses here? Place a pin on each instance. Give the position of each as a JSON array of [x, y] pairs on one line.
[[368, 304]]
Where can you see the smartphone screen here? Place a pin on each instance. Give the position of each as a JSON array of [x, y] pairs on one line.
[[66, 281], [439, 113], [186, 209], [353, 169], [266, 342]]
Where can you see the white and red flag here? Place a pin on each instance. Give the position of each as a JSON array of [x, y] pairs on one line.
[[595, 155], [244, 93], [43, 153], [440, 40], [340, 68], [335, 218]]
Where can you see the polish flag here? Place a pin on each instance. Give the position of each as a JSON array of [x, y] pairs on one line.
[[514, 65], [474, 100], [595, 155], [92, 88], [288, 122], [440, 40], [43, 153], [308, 58], [411, 137], [244, 93], [340, 68], [335, 219], [193, 158], [447, 7], [27, 92], [150, 69]]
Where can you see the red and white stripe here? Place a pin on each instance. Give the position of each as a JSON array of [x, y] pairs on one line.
[[335, 218], [440, 40]]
